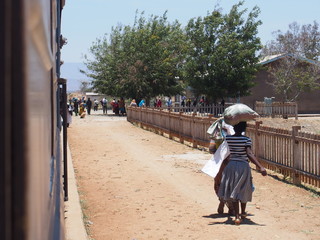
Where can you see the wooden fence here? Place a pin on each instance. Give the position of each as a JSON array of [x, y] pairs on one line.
[[290, 152], [277, 109], [199, 110]]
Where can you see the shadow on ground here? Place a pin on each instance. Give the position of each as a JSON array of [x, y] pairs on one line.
[[246, 221]]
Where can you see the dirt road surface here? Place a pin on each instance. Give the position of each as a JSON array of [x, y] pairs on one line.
[[138, 185]]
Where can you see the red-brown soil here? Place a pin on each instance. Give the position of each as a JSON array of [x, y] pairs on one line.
[[135, 184]]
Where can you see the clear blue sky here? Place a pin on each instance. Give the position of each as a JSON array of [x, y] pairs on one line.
[[83, 21]]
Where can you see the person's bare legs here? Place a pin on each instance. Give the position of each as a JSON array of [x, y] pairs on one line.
[[236, 212], [243, 210], [221, 206], [230, 207]]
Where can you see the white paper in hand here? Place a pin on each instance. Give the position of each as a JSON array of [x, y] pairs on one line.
[[213, 165]]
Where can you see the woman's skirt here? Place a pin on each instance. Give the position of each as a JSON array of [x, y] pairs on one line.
[[236, 182]]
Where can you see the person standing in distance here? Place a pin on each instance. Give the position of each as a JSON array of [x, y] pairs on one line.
[[89, 106]]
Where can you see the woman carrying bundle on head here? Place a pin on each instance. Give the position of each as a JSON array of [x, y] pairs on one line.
[[234, 180]]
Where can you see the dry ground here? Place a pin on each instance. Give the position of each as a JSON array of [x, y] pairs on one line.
[[134, 184], [308, 124]]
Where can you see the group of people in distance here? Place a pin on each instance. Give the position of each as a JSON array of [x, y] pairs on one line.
[[159, 102], [118, 106], [81, 106]]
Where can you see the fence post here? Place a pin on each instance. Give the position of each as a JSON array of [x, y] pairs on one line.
[[256, 143], [140, 117], [296, 156], [194, 143], [296, 111], [181, 128], [161, 117], [256, 138], [170, 134]]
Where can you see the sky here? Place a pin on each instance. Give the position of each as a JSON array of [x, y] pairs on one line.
[[83, 21]]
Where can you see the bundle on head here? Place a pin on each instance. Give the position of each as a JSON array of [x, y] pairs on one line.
[[239, 113]]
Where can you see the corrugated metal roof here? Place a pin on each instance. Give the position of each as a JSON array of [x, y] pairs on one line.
[[272, 58], [93, 94]]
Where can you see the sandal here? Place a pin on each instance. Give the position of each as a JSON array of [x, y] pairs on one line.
[[244, 215], [237, 221]]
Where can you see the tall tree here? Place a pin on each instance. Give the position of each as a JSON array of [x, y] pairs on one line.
[[142, 61], [85, 86], [292, 76], [298, 71], [303, 41], [222, 59]]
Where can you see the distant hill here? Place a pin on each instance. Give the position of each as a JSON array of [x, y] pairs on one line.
[[71, 72]]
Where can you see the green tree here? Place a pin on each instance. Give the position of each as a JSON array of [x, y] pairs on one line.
[[222, 59], [142, 61]]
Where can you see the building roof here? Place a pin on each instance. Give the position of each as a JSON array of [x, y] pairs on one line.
[[93, 94], [272, 58]]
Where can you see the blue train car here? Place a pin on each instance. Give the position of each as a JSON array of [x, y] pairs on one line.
[[33, 184]]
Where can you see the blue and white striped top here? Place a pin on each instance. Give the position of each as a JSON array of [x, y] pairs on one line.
[[237, 146]]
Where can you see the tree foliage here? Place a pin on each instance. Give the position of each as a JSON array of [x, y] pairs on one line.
[[303, 41], [141, 61], [85, 86], [293, 76], [222, 57], [215, 55], [299, 70]]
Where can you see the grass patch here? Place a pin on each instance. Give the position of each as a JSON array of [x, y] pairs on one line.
[[85, 216]]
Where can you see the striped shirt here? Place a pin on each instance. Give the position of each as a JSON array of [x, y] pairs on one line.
[[238, 146]]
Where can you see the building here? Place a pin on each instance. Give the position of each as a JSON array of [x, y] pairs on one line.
[[308, 102]]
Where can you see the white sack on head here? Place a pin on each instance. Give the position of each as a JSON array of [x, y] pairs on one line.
[[238, 113]]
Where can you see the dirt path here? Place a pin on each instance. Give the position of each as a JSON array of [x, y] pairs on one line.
[[135, 184]]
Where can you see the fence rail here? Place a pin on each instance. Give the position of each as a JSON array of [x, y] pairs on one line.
[[291, 152], [199, 110], [277, 109]]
